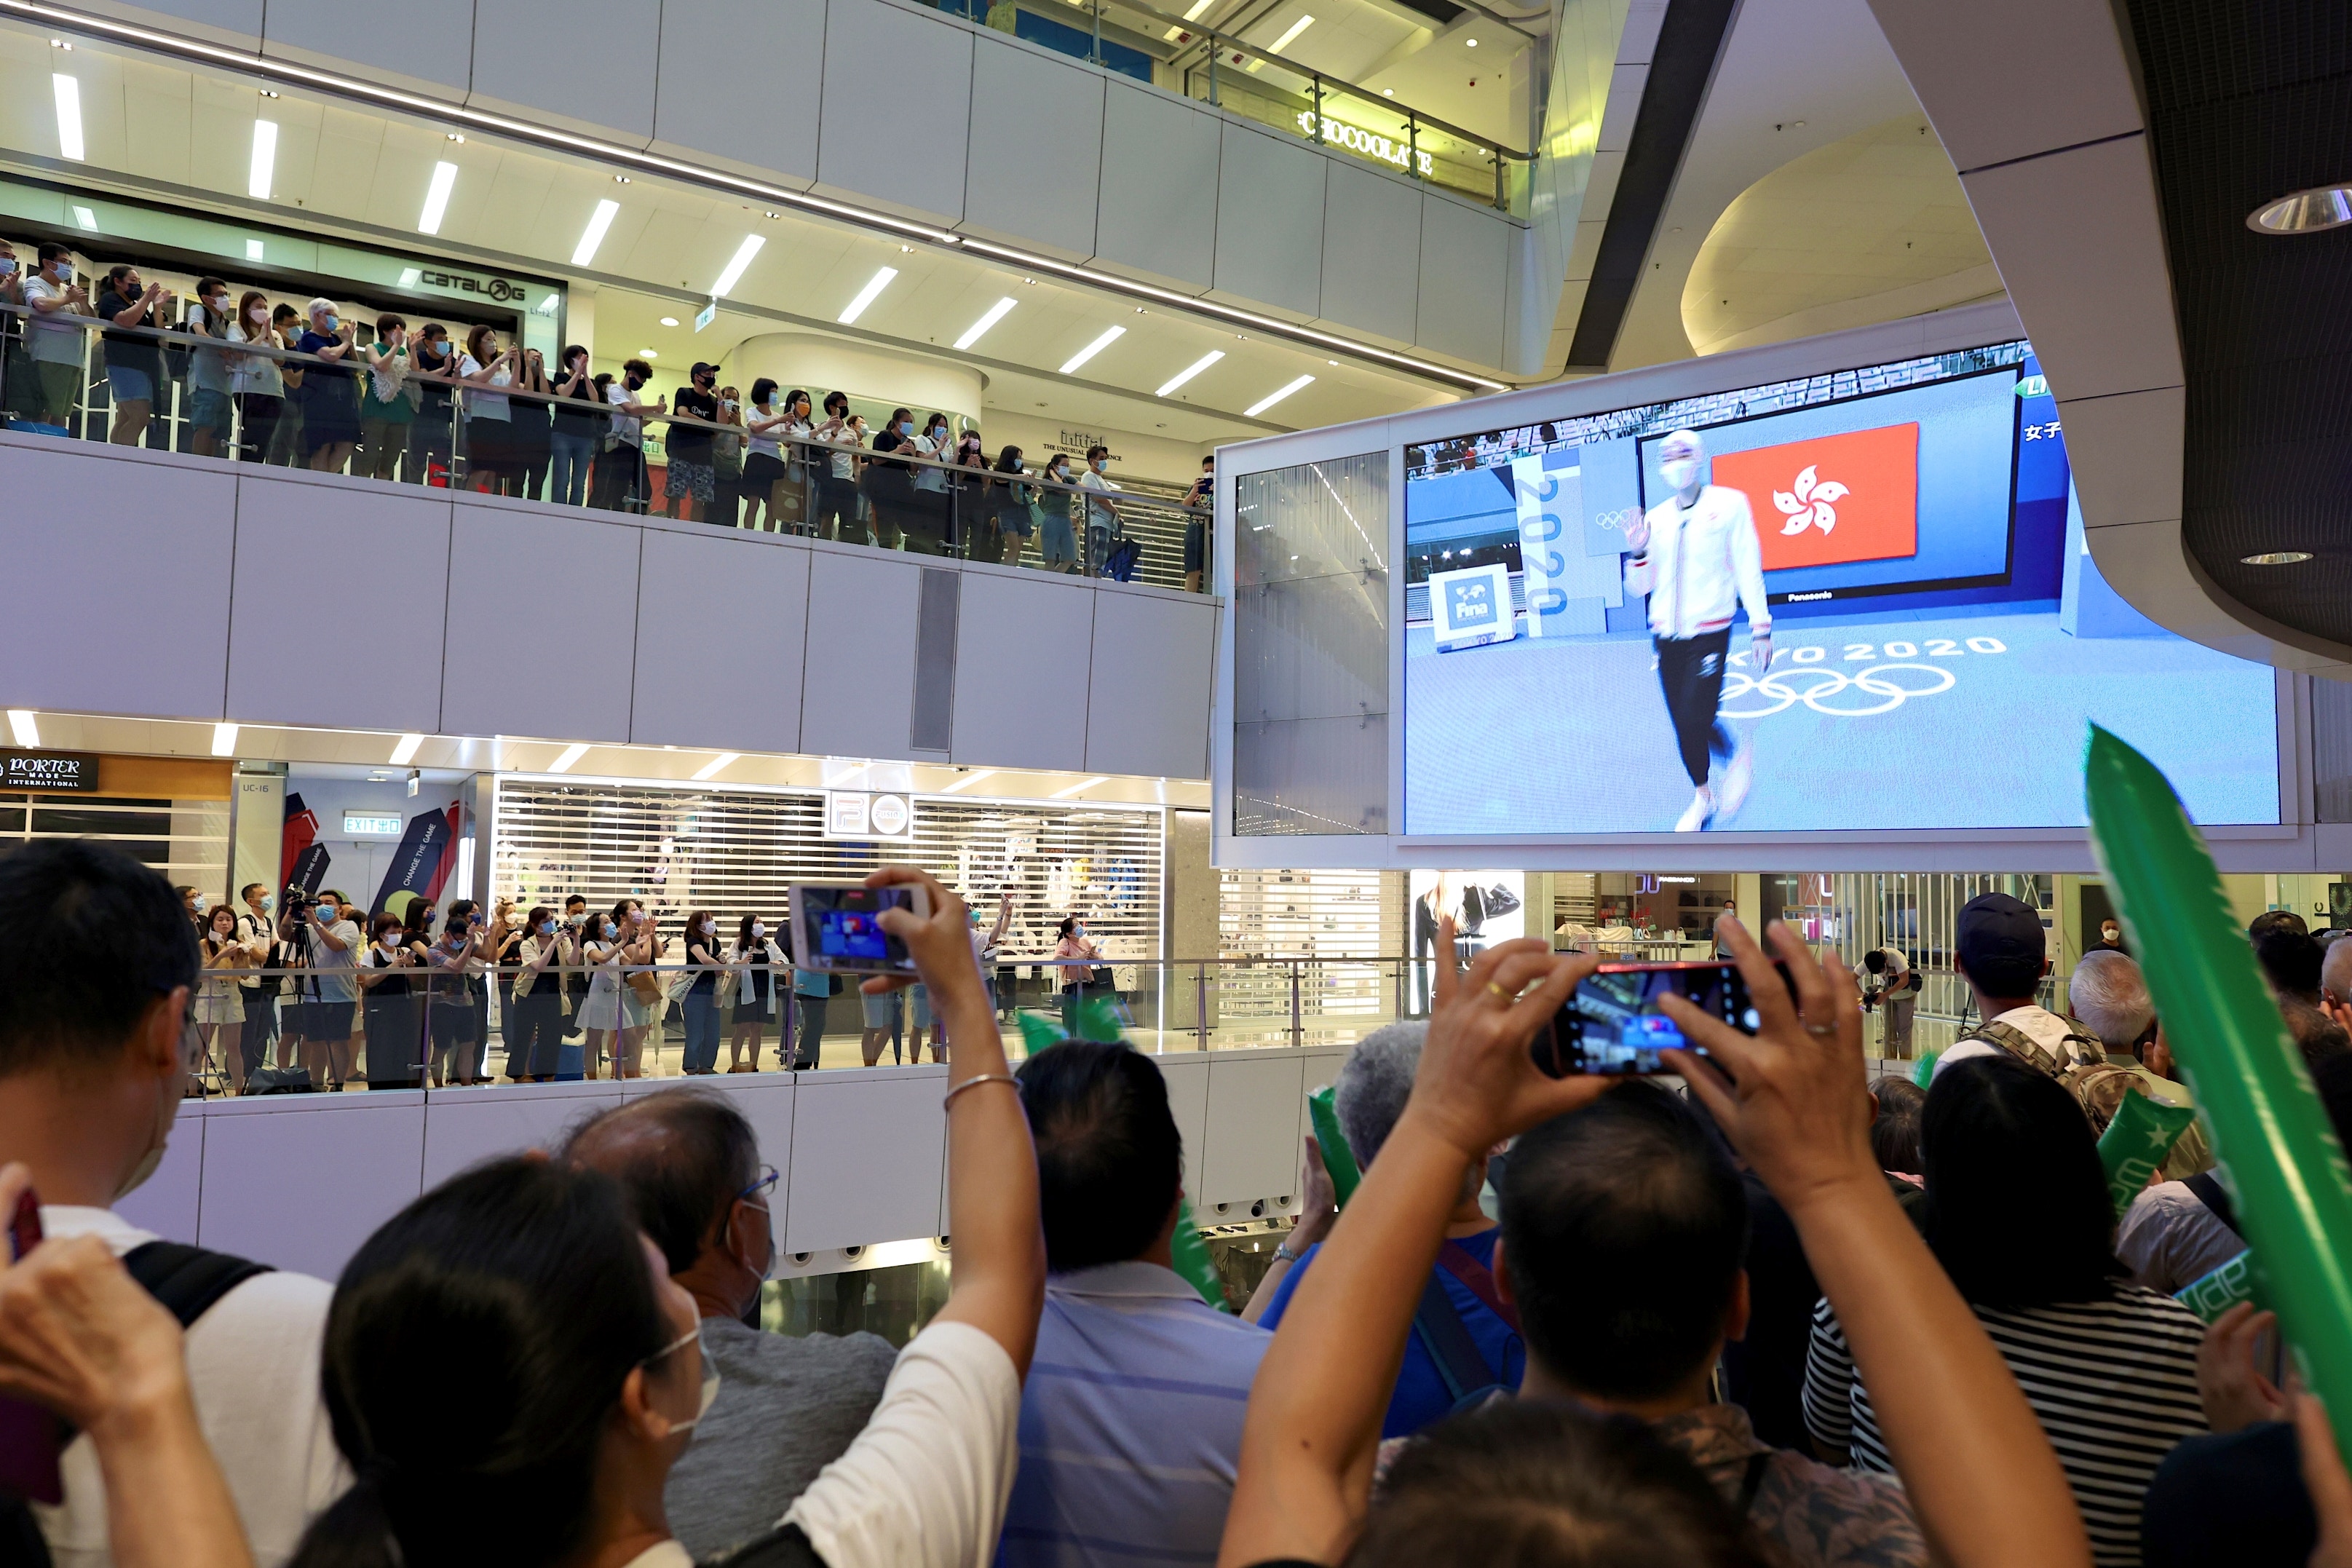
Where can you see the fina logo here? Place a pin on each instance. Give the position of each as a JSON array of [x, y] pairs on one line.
[[1470, 603]]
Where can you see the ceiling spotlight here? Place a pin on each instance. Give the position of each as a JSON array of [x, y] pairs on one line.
[[458, 138], [620, 179], [2304, 212], [60, 44], [2276, 558], [647, 353], [908, 249], [669, 320], [1470, 43], [267, 93], [771, 214], [1388, 92]]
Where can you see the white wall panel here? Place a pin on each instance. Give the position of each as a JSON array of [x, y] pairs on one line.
[[117, 579], [1159, 190], [1270, 245], [721, 57], [352, 36], [583, 66], [302, 1187], [1464, 253], [1036, 147], [168, 1202], [866, 1156], [898, 106], [236, 23], [1993, 102], [466, 1126], [297, 534], [1252, 1124], [1149, 685], [583, 571], [857, 692], [688, 693], [1030, 708], [1187, 1077], [1371, 252]]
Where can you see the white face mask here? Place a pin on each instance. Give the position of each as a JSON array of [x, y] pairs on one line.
[[1679, 473], [757, 930], [258, 316], [710, 926], [710, 1377], [167, 1111]]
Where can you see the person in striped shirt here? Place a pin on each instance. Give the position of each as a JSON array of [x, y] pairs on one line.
[[2018, 1213]]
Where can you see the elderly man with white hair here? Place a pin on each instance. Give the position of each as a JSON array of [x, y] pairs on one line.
[[2107, 995], [1697, 555]]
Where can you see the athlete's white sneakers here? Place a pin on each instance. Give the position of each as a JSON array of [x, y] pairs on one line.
[[1695, 814], [1738, 774]]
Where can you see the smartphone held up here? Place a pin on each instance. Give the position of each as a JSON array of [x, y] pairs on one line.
[[836, 927], [1613, 1023]]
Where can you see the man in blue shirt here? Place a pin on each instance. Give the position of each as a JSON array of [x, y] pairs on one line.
[[1131, 1417], [1369, 1095]]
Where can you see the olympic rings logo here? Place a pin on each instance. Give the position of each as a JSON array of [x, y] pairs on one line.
[[1828, 683], [1620, 519]]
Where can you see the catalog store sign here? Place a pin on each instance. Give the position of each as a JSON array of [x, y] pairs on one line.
[[61, 773], [1339, 133]]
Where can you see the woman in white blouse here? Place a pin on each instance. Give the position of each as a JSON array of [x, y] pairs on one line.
[[767, 472], [489, 434]]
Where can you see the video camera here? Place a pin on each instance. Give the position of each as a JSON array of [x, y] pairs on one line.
[[296, 904]]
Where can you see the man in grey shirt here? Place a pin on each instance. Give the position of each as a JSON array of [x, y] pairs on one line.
[[786, 1408]]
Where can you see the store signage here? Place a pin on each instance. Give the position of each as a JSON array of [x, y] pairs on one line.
[[1651, 881], [496, 289], [361, 825], [1078, 443], [68, 772], [869, 816], [1371, 144]]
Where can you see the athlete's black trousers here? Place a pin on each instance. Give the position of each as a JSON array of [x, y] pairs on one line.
[[1690, 673]]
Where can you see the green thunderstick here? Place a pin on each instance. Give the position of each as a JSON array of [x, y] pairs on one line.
[[1338, 1159], [2136, 1142], [2210, 1295], [1192, 1260], [2283, 1165]]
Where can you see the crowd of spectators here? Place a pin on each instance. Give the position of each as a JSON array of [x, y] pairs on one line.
[[552, 1359], [311, 388]]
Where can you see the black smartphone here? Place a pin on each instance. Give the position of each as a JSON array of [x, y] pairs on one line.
[[1613, 1023], [30, 1437]]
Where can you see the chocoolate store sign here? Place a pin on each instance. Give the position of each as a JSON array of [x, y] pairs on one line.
[[62, 771], [1371, 144]]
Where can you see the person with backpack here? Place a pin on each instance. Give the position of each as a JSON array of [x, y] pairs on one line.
[[97, 967], [2001, 950]]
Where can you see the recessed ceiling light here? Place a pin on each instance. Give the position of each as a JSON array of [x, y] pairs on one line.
[[259, 172], [1271, 398], [571, 754], [436, 198], [620, 179], [224, 740], [1109, 336], [712, 767], [2276, 558], [1388, 92], [60, 44], [458, 138], [647, 353], [907, 249], [988, 318], [24, 728], [593, 235], [85, 218], [2304, 212], [1188, 372], [1291, 33], [772, 213], [404, 752], [68, 92], [868, 295], [267, 93], [1330, 362], [1470, 43], [669, 320], [737, 263]]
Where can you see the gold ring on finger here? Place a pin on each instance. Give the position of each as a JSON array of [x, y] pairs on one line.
[[1820, 1031], [1496, 990]]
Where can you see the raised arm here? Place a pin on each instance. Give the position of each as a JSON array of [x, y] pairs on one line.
[[1955, 1421], [999, 1285], [1304, 1474]]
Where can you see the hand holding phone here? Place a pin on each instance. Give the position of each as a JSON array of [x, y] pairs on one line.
[[1617, 1024], [836, 927]]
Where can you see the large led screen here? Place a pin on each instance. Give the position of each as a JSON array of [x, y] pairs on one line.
[[1585, 602]]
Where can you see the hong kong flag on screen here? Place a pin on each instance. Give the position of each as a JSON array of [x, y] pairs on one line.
[[1833, 498]]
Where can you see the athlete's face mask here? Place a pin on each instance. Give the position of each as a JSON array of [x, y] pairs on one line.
[[1680, 473]]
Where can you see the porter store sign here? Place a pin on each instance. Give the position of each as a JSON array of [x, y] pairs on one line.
[[1339, 133]]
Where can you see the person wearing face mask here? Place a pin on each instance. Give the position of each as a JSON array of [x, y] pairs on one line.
[[532, 428], [257, 382], [1078, 974], [393, 1021], [768, 479], [1017, 514], [385, 412], [98, 975], [1697, 556], [834, 514], [211, 421], [538, 999], [573, 429], [286, 440], [754, 965], [133, 368], [926, 524], [1057, 543], [331, 409], [489, 418], [971, 513], [707, 960], [431, 439], [601, 953], [1102, 514], [643, 1001], [788, 1406], [53, 335], [889, 492], [725, 508], [1202, 498], [620, 484], [456, 1015], [330, 944], [689, 484]]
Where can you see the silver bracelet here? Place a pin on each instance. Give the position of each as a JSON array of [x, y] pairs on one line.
[[977, 1079], [1282, 1253]]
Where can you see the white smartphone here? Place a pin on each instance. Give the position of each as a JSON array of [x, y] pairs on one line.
[[835, 928]]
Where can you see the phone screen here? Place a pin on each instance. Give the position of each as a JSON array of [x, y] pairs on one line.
[[841, 929], [30, 1437], [1613, 1023]]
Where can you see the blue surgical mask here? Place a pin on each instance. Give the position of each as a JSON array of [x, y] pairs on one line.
[[611, 930], [547, 928], [906, 427], [334, 322]]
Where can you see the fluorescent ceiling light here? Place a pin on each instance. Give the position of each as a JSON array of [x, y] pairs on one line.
[[1198, 7], [1290, 33], [715, 764], [68, 95], [1188, 372], [253, 250], [741, 260], [224, 740], [571, 754], [86, 218], [995, 313], [265, 160], [402, 752], [867, 296], [593, 235], [1262, 404], [21, 725], [436, 198], [1109, 337], [1082, 784], [970, 779]]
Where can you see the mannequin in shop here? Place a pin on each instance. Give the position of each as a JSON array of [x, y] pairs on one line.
[[1696, 557]]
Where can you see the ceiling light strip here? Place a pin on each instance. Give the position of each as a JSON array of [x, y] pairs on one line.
[[337, 85]]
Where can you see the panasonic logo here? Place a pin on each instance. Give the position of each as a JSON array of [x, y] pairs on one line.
[[1801, 598]]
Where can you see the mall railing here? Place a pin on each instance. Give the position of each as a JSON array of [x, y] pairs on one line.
[[273, 1030], [1142, 41], [65, 376]]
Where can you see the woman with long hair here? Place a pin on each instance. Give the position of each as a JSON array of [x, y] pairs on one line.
[[538, 998], [488, 417], [220, 1009], [1016, 506], [700, 1003], [255, 382], [757, 966]]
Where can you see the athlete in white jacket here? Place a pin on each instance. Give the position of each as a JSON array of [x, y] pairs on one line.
[[1697, 556]]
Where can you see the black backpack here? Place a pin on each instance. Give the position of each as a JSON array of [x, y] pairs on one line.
[[187, 1280]]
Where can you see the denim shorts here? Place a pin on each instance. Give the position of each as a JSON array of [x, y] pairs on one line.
[[881, 1012], [208, 410], [919, 1005], [1060, 543], [130, 386]]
